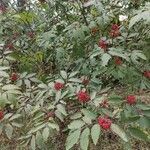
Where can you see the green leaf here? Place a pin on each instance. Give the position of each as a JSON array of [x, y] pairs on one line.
[[116, 129], [58, 96], [76, 124], [39, 140], [59, 115], [13, 92], [134, 20], [14, 117], [84, 139], [61, 109], [95, 133], [127, 146], [63, 74], [136, 54], [115, 99], [107, 112], [88, 113], [35, 129], [87, 120], [146, 113], [76, 116], [42, 86], [4, 74], [131, 119], [143, 106], [72, 139], [64, 94], [45, 133], [141, 15], [141, 55], [10, 87], [144, 122], [93, 95], [16, 124], [9, 130], [8, 115], [54, 126], [4, 68], [1, 128], [27, 83], [94, 54], [119, 53], [75, 80], [33, 146], [139, 134], [105, 59], [72, 74]]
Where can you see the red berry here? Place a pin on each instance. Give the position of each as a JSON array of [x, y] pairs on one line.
[[147, 74], [115, 27], [103, 44], [114, 30], [131, 99], [58, 86], [1, 115], [118, 61], [83, 96], [104, 122], [14, 77]]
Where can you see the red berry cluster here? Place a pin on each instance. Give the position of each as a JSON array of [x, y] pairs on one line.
[[103, 44], [58, 86], [115, 27], [131, 99], [104, 122], [147, 74], [114, 30], [83, 96], [14, 76], [118, 61], [1, 115]]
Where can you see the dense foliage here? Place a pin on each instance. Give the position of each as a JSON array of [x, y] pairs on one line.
[[60, 61]]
